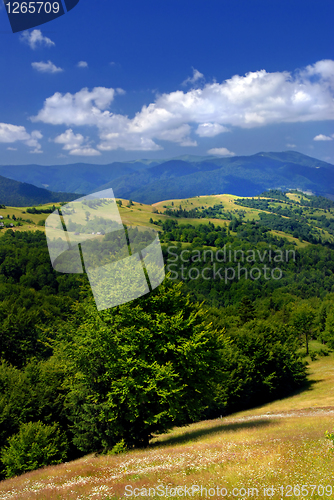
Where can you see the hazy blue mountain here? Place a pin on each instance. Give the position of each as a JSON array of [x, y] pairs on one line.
[[75, 178], [21, 194], [243, 176], [149, 181]]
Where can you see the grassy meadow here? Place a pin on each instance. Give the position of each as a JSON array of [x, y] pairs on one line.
[[280, 445], [139, 214]]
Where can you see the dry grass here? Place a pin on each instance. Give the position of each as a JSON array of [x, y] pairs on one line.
[[281, 443]]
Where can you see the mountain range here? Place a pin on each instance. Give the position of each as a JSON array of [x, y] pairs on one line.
[[150, 181]]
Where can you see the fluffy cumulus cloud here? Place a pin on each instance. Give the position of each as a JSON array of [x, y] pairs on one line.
[[255, 100], [322, 137], [14, 133], [35, 39], [82, 64], [75, 144], [210, 129], [220, 152], [46, 67], [82, 108]]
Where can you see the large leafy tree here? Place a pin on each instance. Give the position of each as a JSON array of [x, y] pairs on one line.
[[139, 369]]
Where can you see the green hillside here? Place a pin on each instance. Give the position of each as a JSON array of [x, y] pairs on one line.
[[19, 194], [298, 217]]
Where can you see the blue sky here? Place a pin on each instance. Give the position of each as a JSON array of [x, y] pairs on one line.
[[122, 80]]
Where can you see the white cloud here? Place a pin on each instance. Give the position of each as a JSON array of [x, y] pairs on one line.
[[254, 100], [115, 140], [291, 146], [70, 140], [35, 39], [322, 137], [11, 149], [193, 79], [48, 67], [322, 69], [85, 152], [13, 133], [74, 143], [220, 152], [210, 129], [82, 64], [82, 108]]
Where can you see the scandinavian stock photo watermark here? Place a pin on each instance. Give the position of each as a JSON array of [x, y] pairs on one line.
[[122, 262], [227, 263]]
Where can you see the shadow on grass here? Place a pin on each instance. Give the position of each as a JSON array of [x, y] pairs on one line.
[[197, 434], [308, 385]]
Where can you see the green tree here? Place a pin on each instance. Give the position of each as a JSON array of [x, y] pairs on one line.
[[139, 369], [246, 310], [261, 364], [36, 392], [17, 401], [303, 319], [35, 445]]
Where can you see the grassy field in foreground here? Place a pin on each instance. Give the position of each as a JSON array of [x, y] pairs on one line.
[[281, 444]]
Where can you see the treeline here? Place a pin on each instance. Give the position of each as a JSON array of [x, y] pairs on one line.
[[35, 210], [316, 201], [275, 194], [218, 236], [193, 213], [214, 212]]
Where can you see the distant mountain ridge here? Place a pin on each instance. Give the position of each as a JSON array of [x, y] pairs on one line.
[[78, 178], [238, 175], [21, 194], [150, 181]]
